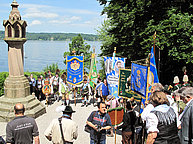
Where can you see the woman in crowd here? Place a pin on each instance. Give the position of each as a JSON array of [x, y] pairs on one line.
[[161, 122], [128, 125]]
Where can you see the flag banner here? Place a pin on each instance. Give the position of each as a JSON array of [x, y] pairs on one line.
[[112, 75], [139, 78], [93, 72], [119, 117], [152, 74], [139, 81], [124, 86], [75, 69]]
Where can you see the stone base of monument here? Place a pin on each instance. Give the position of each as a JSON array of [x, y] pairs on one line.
[[17, 90], [16, 87], [33, 107]]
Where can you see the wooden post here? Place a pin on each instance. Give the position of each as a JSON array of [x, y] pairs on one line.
[[154, 37], [74, 96], [47, 99], [93, 96], [115, 124]]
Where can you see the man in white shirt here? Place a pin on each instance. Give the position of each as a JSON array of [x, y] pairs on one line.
[[62, 130]]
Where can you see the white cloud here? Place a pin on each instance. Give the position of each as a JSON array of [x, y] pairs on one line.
[[59, 21], [38, 11], [66, 20], [35, 22], [34, 6], [81, 11], [40, 15], [75, 18]]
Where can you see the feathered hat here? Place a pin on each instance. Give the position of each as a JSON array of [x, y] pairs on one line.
[[176, 80], [185, 78]]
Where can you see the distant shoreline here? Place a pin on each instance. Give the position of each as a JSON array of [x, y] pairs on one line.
[[55, 36]]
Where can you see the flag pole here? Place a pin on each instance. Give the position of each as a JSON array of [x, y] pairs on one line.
[[93, 59], [115, 124], [154, 37], [114, 53], [74, 52], [158, 64]]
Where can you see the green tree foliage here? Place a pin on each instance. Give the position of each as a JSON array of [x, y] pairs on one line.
[[53, 68], [54, 36], [131, 25], [81, 48], [3, 76]]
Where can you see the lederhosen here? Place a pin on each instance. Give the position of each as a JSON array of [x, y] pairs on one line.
[[39, 89], [64, 90], [55, 86], [85, 91], [32, 86], [167, 126]]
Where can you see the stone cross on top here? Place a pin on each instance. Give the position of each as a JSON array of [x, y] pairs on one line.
[[15, 32]]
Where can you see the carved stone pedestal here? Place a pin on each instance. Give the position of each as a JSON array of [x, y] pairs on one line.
[[33, 107], [17, 90]]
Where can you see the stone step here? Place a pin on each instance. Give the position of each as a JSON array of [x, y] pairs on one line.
[[6, 100], [6, 116], [33, 107]]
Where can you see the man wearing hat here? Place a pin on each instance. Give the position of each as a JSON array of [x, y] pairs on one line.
[[85, 91], [62, 130]]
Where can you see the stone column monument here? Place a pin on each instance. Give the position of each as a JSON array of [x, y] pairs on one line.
[[16, 86]]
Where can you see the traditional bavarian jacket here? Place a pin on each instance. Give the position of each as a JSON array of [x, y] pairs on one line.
[[32, 82], [39, 84], [186, 85], [64, 88], [177, 86], [162, 119]]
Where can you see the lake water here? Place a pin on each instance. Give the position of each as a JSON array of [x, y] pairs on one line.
[[39, 54]]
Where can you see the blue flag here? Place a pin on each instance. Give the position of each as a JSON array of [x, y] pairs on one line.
[[139, 81], [153, 69], [75, 69], [152, 75], [139, 78]]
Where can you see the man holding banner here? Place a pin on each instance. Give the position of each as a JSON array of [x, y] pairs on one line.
[[105, 91], [75, 71]]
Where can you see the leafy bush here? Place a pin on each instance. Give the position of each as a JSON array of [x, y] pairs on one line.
[[3, 76], [53, 68]]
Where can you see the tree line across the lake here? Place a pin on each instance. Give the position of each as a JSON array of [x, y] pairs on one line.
[[55, 36]]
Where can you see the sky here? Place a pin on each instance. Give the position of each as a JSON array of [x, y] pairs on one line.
[[61, 16]]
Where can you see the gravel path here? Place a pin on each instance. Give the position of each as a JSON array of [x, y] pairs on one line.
[[79, 117]]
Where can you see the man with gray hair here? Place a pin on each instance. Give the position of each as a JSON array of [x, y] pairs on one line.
[[157, 87], [186, 117]]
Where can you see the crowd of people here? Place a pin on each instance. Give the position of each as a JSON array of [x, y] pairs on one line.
[[57, 86], [167, 117]]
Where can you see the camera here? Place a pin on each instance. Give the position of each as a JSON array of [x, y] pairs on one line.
[[98, 128]]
